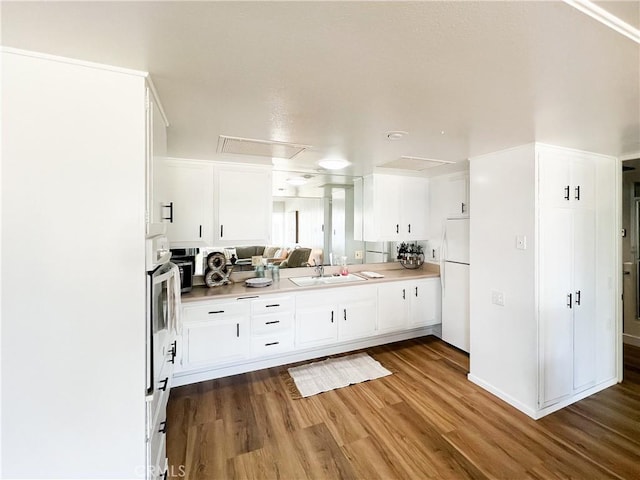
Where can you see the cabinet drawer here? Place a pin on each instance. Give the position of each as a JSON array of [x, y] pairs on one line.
[[210, 312], [265, 345], [272, 323], [272, 305]]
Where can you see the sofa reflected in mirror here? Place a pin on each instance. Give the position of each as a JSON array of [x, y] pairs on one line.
[[241, 256]]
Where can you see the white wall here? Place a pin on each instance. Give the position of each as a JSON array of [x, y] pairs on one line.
[[73, 279], [503, 347]]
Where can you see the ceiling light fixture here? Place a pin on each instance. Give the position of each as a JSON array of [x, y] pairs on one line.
[[334, 163], [606, 18], [296, 181], [396, 134]]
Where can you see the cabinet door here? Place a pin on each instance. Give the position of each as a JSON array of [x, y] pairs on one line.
[[415, 208], [316, 321], [387, 207], [157, 153], [215, 342], [554, 186], [244, 205], [583, 183], [393, 305], [456, 196], [584, 328], [188, 186], [424, 303], [555, 304], [357, 313]]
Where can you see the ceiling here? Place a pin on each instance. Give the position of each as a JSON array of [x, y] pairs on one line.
[[461, 78]]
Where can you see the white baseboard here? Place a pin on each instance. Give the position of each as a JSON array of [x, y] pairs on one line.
[[631, 340], [181, 378], [541, 412]]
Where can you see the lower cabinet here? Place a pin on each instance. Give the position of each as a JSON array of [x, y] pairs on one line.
[[235, 335], [352, 313], [408, 304], [215, 333]]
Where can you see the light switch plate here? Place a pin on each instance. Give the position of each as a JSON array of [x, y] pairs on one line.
[[358, 254]]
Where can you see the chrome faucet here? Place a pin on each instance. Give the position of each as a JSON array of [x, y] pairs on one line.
[[318, 268]]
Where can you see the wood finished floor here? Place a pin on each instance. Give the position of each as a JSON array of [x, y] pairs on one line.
[[426, 421]]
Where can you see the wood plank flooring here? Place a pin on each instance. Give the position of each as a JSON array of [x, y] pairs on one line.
[[426, 421]]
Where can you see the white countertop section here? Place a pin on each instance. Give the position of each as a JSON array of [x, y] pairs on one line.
[[391, 271]]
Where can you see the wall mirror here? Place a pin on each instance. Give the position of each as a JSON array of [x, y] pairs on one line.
[[316, 211]]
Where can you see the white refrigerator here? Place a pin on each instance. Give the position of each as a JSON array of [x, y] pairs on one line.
[[454, 275]]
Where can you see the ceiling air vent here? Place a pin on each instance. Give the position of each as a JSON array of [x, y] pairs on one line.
[[414, 163], [260, 148]]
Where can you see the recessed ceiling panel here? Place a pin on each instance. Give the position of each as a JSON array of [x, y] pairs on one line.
[[259, 148], [414, 163]]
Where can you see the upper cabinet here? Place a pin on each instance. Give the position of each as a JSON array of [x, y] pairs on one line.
[[212, 203], [242, 204], [394, 208], [156, 151]]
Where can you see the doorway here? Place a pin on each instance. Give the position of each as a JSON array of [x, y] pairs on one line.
[[631, 251]]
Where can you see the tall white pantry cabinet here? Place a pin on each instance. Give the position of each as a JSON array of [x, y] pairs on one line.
[[73, 269], [545, 240]]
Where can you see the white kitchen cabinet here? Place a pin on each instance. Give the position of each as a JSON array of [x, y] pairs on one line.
[[393, 306], [424, 303], [395, 208], [408, 304], [350, 314], [214, 203], [272, 325], [543, 288], [357, 312], [184, 195], [215, 333], [156, 154], [567, 270], [456, 196], [315, 321], [243, 204]]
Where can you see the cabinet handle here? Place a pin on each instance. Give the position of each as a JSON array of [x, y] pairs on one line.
[[345, 314], [170, 207], [272, 322], [416, 291], [397, 228], [165, 474], [404, 294], [200, 231], [221, 231], [578, 297], [569, 300], [331, 316], [173, 351], [216, 311], [164, 383], [577, 190], [566, 192], [409, 228], [272, 343], [238, 330], [163, 429], [462, 207], [273, 305]]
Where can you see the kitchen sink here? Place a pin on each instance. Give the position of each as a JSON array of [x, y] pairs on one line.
[[328, 280]]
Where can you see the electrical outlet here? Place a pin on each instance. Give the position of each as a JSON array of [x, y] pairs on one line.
[[521, 242], [358, 254], [497, 298]]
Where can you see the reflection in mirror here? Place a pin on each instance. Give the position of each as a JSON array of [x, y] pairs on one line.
[[316, 211]]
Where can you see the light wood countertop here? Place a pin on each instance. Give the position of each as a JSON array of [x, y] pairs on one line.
[[391, 271]]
